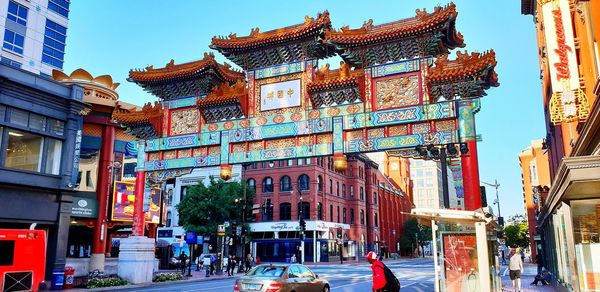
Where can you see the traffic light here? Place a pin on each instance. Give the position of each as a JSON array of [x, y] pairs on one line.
[[302, 225], [339, 234]]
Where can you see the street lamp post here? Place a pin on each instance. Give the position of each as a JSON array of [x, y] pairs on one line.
[[495, 185]]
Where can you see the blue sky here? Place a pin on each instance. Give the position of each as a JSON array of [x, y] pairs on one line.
[[112, 37]]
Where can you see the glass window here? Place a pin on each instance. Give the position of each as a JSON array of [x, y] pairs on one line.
[[361, 194], [129, 169], [53, 155], [330, 187], [351, 216], [13, 41], [285, 211], [267, 185], [374, 197], [37, 122], [351, 192], [290, 162], [343, 190], [59, 6], [303, 182], [19, 117], [251, 184], [319, 183], [337, 188], [57, 127], [376, 221], [320, 211], [331, 213], [2, 112], [7, 255], [285, 184], [338, 214], [362, 217], [17, 13], [344, 216], [23, 151], [55, 37], [300, 161]]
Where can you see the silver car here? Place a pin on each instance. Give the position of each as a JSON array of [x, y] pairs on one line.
[[281, 278]]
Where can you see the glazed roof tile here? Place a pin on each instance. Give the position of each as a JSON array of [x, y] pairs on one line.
[[257, 38], [465, 64], [172, 71], [146, 114], [226, 94], [419, 24], [325, 78]]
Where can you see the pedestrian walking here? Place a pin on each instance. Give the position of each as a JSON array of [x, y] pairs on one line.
[[182, 262], [213, 262], [515, 265], [198, 263], [230, 265], [384, 279], [248, 262], [206, 265]]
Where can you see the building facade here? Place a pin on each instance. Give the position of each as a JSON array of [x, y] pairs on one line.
[[34, 34], [535, 176], [40, 130], [568, 35], [347, 213], [426, 176]]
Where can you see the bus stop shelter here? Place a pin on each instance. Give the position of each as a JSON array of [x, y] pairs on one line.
[[465, 249]]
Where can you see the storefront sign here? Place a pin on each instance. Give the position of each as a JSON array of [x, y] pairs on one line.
[[560, 45], [84, 207], [295, 226], [190, 237], [123, 198]]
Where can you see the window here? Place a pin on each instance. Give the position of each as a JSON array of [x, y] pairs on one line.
[[343, 190], [361, 194], [344, 216], [374, 197], [331, 213], [304, 210], [267, 185], [169, 218], [17, 13], [285, 211], [280, 163], [330, 187], [24, 151], [7, 255], [320, 211], [129, 169], [338, 214], [2, 113], [254, 165], [88, 179], [376, 221], [59, 6], [263, 165], [300, 161], [303, 182], [53, 154], [251, 183], [307, 162], [182, 193], [337, 188], [290, 162], [351, 216], [285, 184], [319, 183], [362, 217], [267, 211], [351, 192], [55, 37], [13, 41]]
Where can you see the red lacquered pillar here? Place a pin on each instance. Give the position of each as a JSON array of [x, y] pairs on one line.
[[102, 192]]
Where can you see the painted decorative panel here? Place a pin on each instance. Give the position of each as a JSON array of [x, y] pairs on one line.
[[280, 143], [184, 121], [239, 147], [182, 102], [395, 68], [354, 135], [180, 141], [201, 161], [210, 137], [388, 143], [200, 151], [154, 156], [376, 133], [253, 146], [170, 154], [279, 70], [445, 125], [184, 153], [305, 140], [338, 138], [420, 128], [397, 92], [214, 150], [324, 138], [398, 130]]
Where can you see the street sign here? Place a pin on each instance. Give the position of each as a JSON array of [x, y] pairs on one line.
[[238, 230], [190, 237], [199, 239], [221, 230]]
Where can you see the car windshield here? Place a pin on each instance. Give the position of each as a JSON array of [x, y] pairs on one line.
[[272, 271]]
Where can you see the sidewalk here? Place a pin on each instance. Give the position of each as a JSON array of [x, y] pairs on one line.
[[196, 277], [528, 275]]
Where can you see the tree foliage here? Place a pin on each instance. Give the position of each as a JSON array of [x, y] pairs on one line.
[[517, 235], [205, 207], [413, 233]]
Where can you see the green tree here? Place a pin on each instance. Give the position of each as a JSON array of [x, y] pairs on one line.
[[517, 235], [415, 233], [205, 207]]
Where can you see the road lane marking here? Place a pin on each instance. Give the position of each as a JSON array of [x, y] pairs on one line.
[[351, 284]]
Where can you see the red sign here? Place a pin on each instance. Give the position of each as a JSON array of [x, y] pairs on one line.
[[460, 261], [123, 198]]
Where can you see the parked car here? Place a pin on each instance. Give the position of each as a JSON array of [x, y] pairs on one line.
[[281, 278]]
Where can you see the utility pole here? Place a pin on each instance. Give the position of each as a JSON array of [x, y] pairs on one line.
[[496, 185]]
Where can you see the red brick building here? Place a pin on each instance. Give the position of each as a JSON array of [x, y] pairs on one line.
[[359, 209]]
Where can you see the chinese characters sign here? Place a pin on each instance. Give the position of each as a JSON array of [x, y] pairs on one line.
[[280, 95]]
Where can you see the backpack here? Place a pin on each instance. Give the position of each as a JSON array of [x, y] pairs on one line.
[[392, 285]]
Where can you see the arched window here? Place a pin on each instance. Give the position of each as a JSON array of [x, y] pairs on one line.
[[169, 218], [285, 211], [362, 217], [351, 192], [351, 216], [303, 182], [344, 216], [285, 184], [374, 197], [304, 209], [331, 213], [267, 185], [319, 183], [337, 188], [251, 183], [320, 211], [343, 190], [338, 214]]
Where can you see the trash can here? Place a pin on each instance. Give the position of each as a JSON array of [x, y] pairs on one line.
[[58, 277], [69, 275]]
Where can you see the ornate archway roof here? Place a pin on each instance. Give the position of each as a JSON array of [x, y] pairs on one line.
[[186, 79], [225, 102], [145, 123]]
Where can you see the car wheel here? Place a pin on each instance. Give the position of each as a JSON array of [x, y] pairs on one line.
[[326, 288]]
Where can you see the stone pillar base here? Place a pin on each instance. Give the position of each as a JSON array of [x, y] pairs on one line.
[[97, 262], [136, 259]]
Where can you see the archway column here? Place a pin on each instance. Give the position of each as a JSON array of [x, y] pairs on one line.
[[470, 164]]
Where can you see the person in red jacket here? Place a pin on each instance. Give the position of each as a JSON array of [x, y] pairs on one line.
[[379, 280]]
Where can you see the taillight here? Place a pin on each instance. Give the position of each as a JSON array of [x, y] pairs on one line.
[[236, 287], [274, 287]]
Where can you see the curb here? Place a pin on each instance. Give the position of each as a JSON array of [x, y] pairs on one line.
[[154, 284]]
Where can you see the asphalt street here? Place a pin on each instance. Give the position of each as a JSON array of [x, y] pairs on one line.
[[414, 275]]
